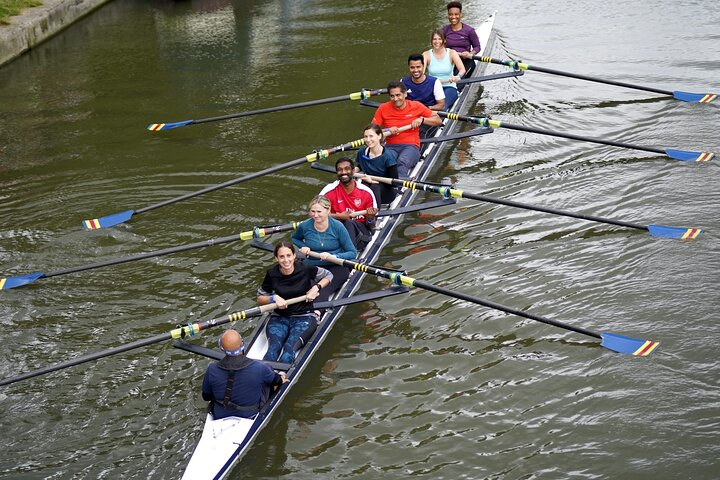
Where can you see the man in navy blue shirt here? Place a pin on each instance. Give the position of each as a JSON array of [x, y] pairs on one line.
[[421, 87], [238, 386]]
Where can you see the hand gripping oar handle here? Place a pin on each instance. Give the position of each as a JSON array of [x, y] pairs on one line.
[[678, 95], [188, 330], [681, 233], [617, 343]]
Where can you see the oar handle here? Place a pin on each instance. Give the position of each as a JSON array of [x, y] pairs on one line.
[[272, 306], [387, 133], [374, 178], [328, 258]]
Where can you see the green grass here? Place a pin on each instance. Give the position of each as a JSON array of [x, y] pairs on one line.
[[8, 8]]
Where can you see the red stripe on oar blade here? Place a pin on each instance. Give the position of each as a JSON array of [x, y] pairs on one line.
[[705, 156], [92, 224], [645, 350], [708, 98], [691, 233]]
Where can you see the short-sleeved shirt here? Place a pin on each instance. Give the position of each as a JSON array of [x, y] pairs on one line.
[[428, 92], [388, 116], [361, 198], [290, 286]]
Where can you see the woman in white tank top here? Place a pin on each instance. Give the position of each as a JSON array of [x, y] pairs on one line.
[[439, 63]]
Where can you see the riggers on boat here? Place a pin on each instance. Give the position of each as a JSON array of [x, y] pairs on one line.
[[225, 441]]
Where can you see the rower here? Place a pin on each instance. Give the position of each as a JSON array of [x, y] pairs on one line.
[[375, 159], [238, 386], [348, 196], [290, 278], [398, 112], [423, 88], [327, 236], [461, 37]]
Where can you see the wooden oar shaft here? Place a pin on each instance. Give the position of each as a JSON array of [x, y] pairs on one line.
[[486, 122], [525, 66], [400, 279], [449, 192], [180, 332]]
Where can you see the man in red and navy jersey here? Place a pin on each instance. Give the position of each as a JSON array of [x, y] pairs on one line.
[[347, 197]]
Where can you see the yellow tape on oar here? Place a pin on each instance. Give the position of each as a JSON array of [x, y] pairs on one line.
[[155, 127], [187, 330], [708, 98]]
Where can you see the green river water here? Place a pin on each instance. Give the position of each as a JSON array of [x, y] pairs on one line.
[[418, 385]]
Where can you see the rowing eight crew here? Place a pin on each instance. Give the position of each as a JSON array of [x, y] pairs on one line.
[[239, 386]]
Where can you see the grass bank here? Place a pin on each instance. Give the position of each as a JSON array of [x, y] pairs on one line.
[[8, 8]]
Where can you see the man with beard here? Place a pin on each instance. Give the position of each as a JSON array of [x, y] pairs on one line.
[[421, 87], [347, 197]]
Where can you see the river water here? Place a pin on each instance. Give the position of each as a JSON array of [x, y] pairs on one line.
[[420, 385]]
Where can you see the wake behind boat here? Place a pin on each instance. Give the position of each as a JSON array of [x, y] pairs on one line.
[[225, 441]]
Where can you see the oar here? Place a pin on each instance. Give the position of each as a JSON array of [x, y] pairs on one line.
[[678, 95], [611, 341], [117, 218], [681, 233], [191, 329], [154, 127], [487, 78], [687, 156], [258, 232]]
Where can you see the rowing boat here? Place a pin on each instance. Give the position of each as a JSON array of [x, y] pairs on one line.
[[225, 441]]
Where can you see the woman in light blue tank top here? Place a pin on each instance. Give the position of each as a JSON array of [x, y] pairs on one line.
[[440, 62]]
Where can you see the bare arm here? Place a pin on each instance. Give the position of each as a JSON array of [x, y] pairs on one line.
[[457, 61], [433, 120]]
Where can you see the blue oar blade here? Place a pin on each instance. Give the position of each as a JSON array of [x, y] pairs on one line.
[[680, 233], [687, 156], [19, 281], [154, 127], [628, 345], [108, 221], [694, 97]]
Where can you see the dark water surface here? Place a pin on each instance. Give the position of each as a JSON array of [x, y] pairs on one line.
[[421, 385]]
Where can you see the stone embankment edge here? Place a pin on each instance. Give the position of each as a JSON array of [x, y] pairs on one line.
[[37, 24]]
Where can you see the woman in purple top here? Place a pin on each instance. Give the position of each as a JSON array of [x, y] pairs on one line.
[[461, 37]]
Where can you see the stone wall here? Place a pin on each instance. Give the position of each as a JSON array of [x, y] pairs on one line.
[[35, 25]]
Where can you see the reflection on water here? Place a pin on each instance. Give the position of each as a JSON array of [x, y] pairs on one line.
[[418, 384]]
